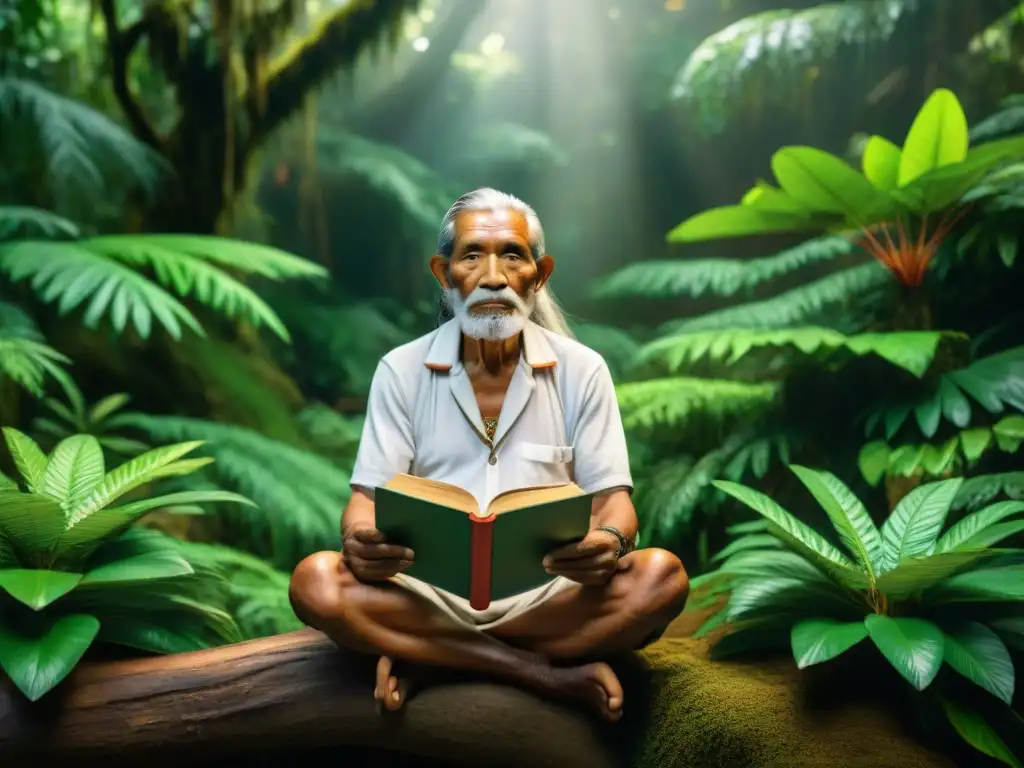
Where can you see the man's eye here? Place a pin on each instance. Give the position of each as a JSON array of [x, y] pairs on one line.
[[513, 255]]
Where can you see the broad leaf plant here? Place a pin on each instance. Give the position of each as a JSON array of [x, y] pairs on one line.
[[922, 596], [74, 571]]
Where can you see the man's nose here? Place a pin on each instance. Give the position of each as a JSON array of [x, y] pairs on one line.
[[493, 278]]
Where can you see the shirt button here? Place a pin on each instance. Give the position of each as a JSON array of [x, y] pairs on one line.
[[492, 460]]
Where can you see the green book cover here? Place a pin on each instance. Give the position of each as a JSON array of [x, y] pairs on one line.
[[522, 537], [440, 533]]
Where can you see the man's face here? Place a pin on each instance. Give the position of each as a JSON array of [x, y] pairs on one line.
[[491, 277]]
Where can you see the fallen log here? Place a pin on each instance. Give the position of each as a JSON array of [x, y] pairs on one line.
[[292, 692], [295, 696]]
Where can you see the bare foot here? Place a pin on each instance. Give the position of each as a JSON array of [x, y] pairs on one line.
[[392, 690], [389, 691], [593, 684]]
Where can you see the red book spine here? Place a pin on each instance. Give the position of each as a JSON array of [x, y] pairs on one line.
[[480, 547]]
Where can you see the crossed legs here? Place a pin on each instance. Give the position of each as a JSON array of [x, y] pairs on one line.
[[554, 648]]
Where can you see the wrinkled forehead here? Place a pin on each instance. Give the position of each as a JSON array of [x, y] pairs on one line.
[[498, 226]]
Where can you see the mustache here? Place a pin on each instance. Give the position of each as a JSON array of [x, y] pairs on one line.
[[503, 296]]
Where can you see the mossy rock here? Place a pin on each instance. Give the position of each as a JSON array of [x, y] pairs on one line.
[[763, 714]]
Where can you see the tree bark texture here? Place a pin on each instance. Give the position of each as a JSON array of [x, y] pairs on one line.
[[289, 693]]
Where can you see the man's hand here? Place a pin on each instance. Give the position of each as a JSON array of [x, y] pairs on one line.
[[371, 559], [591, 561]]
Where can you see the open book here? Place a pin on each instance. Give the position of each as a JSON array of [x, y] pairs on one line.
[[481, 555]]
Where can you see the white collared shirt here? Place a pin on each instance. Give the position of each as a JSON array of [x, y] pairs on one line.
[[559, 422]]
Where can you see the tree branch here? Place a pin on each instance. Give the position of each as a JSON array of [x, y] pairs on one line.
[[291, 691], [120, 46], [336, 42]]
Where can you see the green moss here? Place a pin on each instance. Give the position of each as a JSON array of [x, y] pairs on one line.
[[752, 715]]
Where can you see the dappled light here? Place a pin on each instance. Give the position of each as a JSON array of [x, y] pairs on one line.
[[594, 382]]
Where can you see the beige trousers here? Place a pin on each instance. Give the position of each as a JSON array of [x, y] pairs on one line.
[[498, 612]]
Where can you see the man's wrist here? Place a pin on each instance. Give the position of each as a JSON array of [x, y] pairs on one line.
[[623, 542]]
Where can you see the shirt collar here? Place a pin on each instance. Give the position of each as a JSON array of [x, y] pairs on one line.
[[444, 351]]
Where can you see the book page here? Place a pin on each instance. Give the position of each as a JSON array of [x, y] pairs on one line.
[[434, 491], [509, 501]]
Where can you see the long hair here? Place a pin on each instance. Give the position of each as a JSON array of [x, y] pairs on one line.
[[546, 311]]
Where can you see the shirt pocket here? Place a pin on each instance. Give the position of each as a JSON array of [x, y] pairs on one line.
[[546, 454]]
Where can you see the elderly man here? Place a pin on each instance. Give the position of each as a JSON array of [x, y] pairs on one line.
[[497, 398]]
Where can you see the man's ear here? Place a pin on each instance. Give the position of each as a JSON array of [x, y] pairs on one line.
[[439, 268], [545, 266]]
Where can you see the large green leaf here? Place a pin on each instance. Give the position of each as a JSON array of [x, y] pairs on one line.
[[29, 459], [977, 653], [737, 221], [37, 587], [175, 634], [914, 524], [38, 661], [914, 647], [769, 509], [942, 187], [107, 522], [772, 564], [74, 469], [152, 565], [881, 163], [959, 534], [916, 574], [827, 184], [776, 597], [937, 137], [33, 522], [912, 351], [848, 515], [758, 541], [994, 534], [818, 640], [128, 476], [1002, 584], [975, 731]]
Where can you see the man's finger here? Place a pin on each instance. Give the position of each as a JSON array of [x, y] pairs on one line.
[[583, 563], [379, 570], [368, 536], [379, 551], [568, 552], [587, 578]]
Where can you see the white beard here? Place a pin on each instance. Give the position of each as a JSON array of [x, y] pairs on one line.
[[491, 326]]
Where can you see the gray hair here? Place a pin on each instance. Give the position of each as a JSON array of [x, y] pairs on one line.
[[546, 312]]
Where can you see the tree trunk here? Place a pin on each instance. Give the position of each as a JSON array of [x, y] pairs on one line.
[[291, 692], [211, 147]]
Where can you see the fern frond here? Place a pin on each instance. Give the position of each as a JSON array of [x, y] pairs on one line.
[[912, 351], [400, 180], [24, 356], [190, 276], [258, 592], [331, 433], [1007, 120], [497, 145], [299, 495], [842, 293], [720, 277], [618, 348], [101, 273], [977, 491], [680, 498], [84, 149], [672, 403], [71, 275], [774, 48], [19, 221]]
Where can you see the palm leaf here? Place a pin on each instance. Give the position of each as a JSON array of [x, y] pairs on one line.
[[84, 149], [22, 221], [674, 402], [911, 351], [720, 277], [809, 304]]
